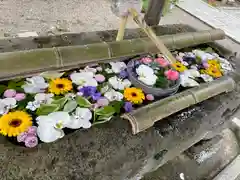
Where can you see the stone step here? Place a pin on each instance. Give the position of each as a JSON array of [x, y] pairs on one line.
[[214, 17], [231, 172]]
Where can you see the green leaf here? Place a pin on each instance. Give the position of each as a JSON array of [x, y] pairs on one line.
[[145, 5], [2, 88], [102, 119], [83, 102], [47, 109], [117, 105], [161, 82], [61, 102], [70, 106], [106, 111], [51, 75], [15, 85]]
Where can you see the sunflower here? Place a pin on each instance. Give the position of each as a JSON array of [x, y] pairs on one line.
[[60, 86], [214, 72], [214, 63], [15, 123], [178, 66], [134, 95]]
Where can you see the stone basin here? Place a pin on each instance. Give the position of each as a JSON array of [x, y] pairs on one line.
[[110, 151]]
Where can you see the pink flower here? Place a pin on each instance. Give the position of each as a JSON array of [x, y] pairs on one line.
[[162, 62], [9, 93], [99, 78], [102, 102], [32, 130], [149, 97], [31, 141], [146, 60], [172, 75], [20, 96], [205, 65], [21, 137]]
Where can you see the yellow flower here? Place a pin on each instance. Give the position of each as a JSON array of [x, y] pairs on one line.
[[178, 66], [134, 95], [15, 123], [214, 72], [60, 86], [214, 63]]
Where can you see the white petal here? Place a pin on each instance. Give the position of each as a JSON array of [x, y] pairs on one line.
[[89, 69], [30, 89], [150, 80], [86, 124], [105, 89], [113, 82], [193, 73], [206, 77], [91, 82], [49, 134], [113, 95], [144, 70], [119, 96], [117, 67], [126, 83], [188, 82], [45, 120], [60, 117], [81, 118], [36, 79], [40, 97], [9, 101], [84, 113]]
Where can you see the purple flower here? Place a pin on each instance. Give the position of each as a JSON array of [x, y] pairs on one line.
[[21, 137], [149, 97], [205, 65], [88, 91], [123, 74], [99, 78], [9, 93], [96, 96], [20, 96], [31, 141], [32, 130], [128, 106]]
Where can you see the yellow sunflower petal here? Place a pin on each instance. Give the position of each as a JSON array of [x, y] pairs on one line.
[[14, 123], [214, 72], [60, 86], [178, 66], [134, 95]]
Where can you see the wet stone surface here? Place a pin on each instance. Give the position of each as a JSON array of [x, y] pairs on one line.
[[110, 151]]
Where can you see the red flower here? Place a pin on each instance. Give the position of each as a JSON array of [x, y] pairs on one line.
[[171, 75], [146, 60], [162, 62]]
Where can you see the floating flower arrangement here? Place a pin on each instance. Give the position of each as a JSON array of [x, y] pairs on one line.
[[45, 107], [200, 66]]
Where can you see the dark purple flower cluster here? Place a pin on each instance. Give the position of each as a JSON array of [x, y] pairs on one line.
[[90, 91]]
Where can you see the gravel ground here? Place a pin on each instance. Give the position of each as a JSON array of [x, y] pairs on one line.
[[41, 15]]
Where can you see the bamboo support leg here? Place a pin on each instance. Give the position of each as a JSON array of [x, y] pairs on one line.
[[122, 27], [148, 30]]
